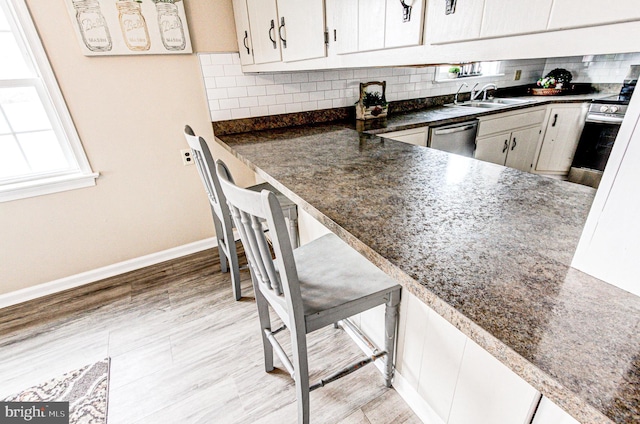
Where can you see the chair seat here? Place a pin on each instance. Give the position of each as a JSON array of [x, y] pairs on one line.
[[284, 201], [336, 282]]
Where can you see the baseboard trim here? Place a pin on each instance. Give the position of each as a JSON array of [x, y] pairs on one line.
[[418, 405], [73, 281]]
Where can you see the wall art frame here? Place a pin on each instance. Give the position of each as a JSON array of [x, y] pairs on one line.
[[130, 27]]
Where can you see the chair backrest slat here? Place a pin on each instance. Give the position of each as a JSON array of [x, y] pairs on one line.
[[252, 237], [250, 210], [265, 254], [206, 169]]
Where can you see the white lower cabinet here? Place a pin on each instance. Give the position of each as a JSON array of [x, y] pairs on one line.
[[458, 380], [417, 136], [440, 361], [487, 392], [510, 139], [522, 148], [550, 413], [515, 149], [563, 127]]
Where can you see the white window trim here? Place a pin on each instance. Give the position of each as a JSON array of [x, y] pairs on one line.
[[438, 78], [83, 176]]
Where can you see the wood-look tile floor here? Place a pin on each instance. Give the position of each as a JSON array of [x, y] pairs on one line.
[[183, 351]]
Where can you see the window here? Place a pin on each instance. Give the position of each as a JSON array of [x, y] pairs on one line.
[[468, 70], [40, 151]]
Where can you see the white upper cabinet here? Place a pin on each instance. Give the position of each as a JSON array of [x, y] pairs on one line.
[[575, 13], [463, 24], [288, 30], [243, 31], [365, 25], [508, 17], [371, 16], [403, 26], [302, 26], [263, 19], [343, 28]]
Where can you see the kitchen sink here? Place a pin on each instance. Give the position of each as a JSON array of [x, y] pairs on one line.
[[506, 101], [492, 103], [483, 104]]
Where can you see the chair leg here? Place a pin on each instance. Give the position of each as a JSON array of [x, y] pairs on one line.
[[235, 266], [228, 253], [217, 225], [301, 367], [391, 326], [265, 324]]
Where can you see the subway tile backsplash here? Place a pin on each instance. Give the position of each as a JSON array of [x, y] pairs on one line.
[[598, 69], [234, 95]]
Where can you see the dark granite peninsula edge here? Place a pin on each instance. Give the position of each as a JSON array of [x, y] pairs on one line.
[[487, 247]]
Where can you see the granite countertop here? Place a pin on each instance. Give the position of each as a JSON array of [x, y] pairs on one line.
[[487, 247], [448, 114]]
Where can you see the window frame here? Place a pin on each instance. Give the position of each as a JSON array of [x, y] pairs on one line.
[[441, 72], [47, 87]]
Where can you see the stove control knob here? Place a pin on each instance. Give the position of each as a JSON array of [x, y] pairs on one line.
[[604, 109], [613, 109]]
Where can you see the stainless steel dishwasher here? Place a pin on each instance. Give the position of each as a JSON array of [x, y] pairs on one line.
[[457, 138]]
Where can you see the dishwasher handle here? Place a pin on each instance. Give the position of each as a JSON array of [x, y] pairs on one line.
[[454, 129]]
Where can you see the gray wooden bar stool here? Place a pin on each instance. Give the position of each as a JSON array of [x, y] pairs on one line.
[[220, 211], [315, 285]]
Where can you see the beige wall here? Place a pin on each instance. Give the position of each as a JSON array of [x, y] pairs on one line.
[[129, 112]]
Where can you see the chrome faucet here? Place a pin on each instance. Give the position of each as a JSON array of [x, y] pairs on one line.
[[474, 93], [455, 98], [483, 90]]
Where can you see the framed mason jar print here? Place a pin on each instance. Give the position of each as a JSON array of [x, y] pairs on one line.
[[126, 27]]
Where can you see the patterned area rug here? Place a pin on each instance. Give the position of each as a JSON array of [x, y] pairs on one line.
[[85, 389]]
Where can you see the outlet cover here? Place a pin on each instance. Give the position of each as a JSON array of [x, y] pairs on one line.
[[518, 75], [187, 159]]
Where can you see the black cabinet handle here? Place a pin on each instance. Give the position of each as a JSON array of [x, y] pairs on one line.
[[506, 146], [284, 42], [513, 146], [244, 42], [273, 28], [555, 120]]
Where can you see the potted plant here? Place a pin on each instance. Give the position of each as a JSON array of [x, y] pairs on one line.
[[555, 82], [454, 71], [372, 104]]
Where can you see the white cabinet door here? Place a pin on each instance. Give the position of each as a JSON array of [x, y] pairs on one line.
[[507, 17], [561, 139], [576, 13], [550, 413], [371, 16], [343, 28], [509, 121], [243, 31], [464, 24], [263, 19], [487, 392], [417, 136], [301, 29], [522, 148], [400, 32], [493, 149]]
